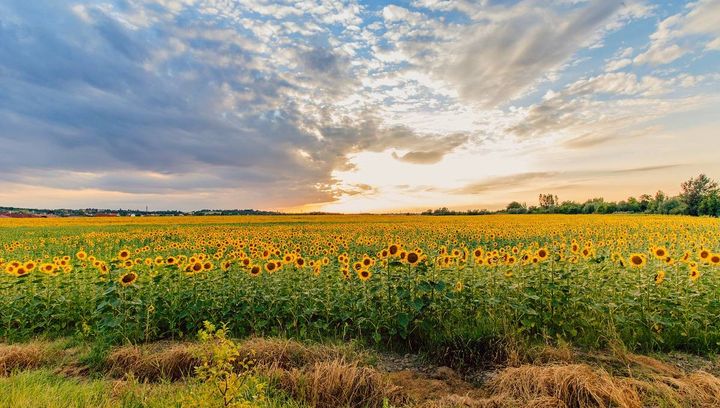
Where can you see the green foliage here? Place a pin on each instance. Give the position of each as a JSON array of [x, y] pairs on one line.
[[229, 379]]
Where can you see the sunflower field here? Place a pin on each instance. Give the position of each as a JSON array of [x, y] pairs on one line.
[[651, 282]]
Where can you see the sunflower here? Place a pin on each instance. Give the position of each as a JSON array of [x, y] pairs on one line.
[[196, 267], [123, 254], [48, 269], [207, 265], [270, 267], [637, 260], [659, 277], [255, 270], [660, 252], [128, 278], [81, 255], [587, 252], [364, 274], [704, 254], [30, 265], [459, 286], [694, 275], [21, 271], [393, 249], [412, 258], [477, 253], [715, 259], [542, 254], [103, 268], [171, 260], [10, 270], [575, 248]]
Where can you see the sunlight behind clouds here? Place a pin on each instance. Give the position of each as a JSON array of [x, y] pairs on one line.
[[352, 105]]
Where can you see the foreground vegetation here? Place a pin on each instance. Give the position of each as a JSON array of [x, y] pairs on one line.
[[216, 371]]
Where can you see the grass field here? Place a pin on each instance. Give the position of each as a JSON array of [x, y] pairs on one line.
[[468, 292]]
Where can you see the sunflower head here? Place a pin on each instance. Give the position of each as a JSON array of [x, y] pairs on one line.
[[659, 277], [124, 254], [412, 258], [637, 260], [542, 254], [714, 259], [128, 278], [660, 252], [364, 274], [704, 254]]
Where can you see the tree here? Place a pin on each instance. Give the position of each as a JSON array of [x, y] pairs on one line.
[[569, 207], [710, 205], [657, 202], [548, 200], [672, 205], [695, 190], [633, 205], [645, 201], [516, 208]]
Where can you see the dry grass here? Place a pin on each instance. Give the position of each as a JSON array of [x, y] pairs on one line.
[[154, 362], [576, 385], [336, 383], [25, 356], [288, 354], [166, 360], [458, 401], [337, 376]]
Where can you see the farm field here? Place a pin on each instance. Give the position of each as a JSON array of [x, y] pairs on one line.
[[465, 292]]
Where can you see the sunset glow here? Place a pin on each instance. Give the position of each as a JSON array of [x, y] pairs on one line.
[[353, 106]]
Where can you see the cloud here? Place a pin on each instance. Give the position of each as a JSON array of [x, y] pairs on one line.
[[660, 54], [646, 168], [501, 183], [700, 21], [505, 51], [441, 147], [606, 107], [264, 103], [616, 65], [169, 104]]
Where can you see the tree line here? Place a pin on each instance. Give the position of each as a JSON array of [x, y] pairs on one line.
[[698, 196]]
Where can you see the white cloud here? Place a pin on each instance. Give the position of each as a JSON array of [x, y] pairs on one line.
[[701, 19], [616, 65], [660, 54]]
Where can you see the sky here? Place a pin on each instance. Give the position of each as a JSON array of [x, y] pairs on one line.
[[353, 106]]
